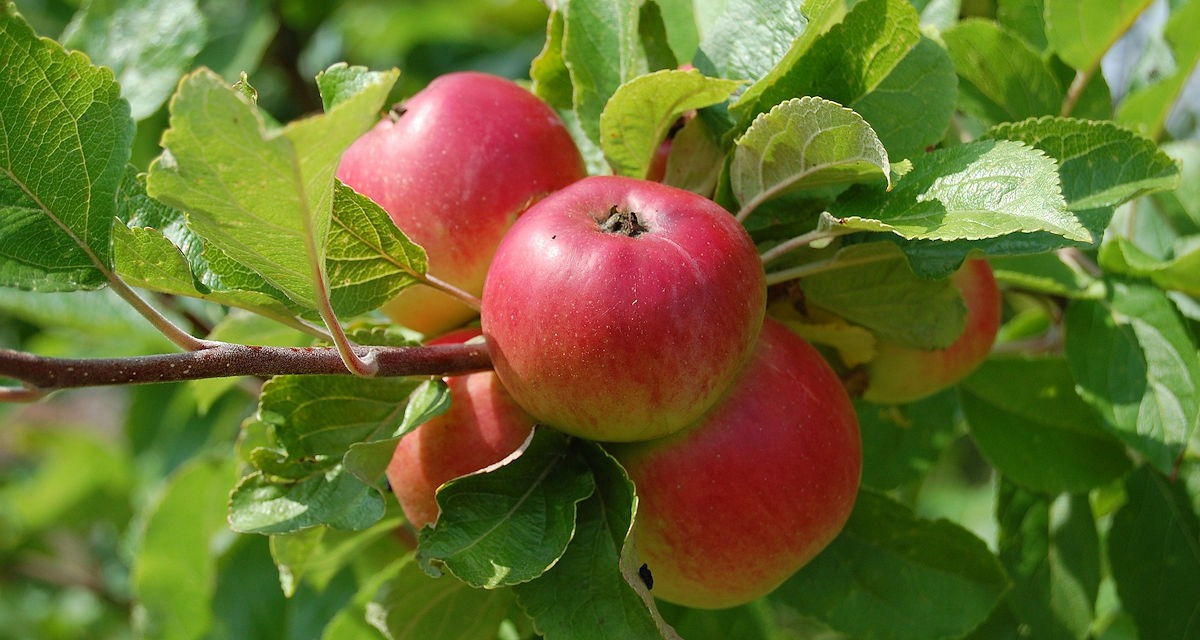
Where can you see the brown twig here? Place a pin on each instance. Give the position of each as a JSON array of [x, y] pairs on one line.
[[41, 375]]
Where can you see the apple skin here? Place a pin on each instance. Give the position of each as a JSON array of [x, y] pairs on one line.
[[731, 507], [482, 427], [614, 337], [900, 374], [464, 158]]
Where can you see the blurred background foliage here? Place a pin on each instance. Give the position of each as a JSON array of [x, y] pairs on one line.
[[81, 473]]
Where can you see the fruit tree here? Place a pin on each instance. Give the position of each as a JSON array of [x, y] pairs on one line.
[[600, 319]]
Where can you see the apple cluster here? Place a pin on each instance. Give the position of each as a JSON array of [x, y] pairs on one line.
[[626, 312]]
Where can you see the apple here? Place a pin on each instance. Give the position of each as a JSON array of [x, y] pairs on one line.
[[899, 374], [482, 427], [620, 309], [454, 166], [732, 506]]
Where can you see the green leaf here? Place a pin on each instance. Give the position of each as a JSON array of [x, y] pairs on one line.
[[902, 443], [1134, 361], [239, 31], [1001, 78], [1025, 18], [974, 191], [175, 568], [747, 622], [1146, 109], [368, 260], [65, 137], [230, 173], [314, 556], [641, 111], [892, 575], [1180, 273], [1099, 163], [369, 459], [551, 78], [696, 158], [804, 143], [1030, 424], [1155, 557], [335, 498], [879, 291], [1082, 31], [610, 606], [324, 415], [414, 605], [1047, 273], [849, 60], [1051, 550], [149, 44], [911, 108], [602, 50], [508, 525], [743, 39]]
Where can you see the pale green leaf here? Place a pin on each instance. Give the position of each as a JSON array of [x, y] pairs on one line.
[[641, 111], [744, 39], [65, 137], [1146, 109], [1134, 361], [149, 44], [333, 497], [262, 197], [602, 50], [979, 190], [369, 259], [315, 556], [510, 524], [1179, 273], [1025, 18], [1001, 77], [175, 568], [1082, 31], [804, 143], [1100, 164]]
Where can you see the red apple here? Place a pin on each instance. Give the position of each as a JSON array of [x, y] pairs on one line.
[[482, 426], [900, 374], [620, 309], [731, 507], [454, 167]]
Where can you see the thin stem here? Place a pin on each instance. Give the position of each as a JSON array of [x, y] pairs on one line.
[[821, 266], [41, 375], [174, 333], [1075, 91], [800, 241], [445, 287]]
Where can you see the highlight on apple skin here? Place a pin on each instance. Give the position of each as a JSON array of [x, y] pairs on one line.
[[454, 166], [620, 309], [733, 506], [900, 374], [482, 427]]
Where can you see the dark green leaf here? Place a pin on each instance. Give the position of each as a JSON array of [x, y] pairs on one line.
[[238, 34], [369, 459], [1031, 425], [510, 524], [1052, 552], [551, 79], [588, 593], [902, 443], [1099, 163], [1026, 19], [414, 605], [1155, 556], [1134, 361], [65, 137], [893, 575], [602, 50], [1001, 77], [314, 556], [149, 44], [334, 498]]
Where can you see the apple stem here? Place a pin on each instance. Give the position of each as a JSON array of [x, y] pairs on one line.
[[624, 223], [821, 266], [815, 236]]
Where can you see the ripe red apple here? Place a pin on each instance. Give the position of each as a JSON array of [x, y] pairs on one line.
[[454, 167], [482, 426], [620, 309], [731, 507], [900, 374]]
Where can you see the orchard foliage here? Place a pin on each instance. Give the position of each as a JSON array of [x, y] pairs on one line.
[[167, 180]]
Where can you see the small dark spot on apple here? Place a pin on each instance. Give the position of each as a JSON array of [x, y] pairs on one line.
[[646, 576], [554, 236]]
